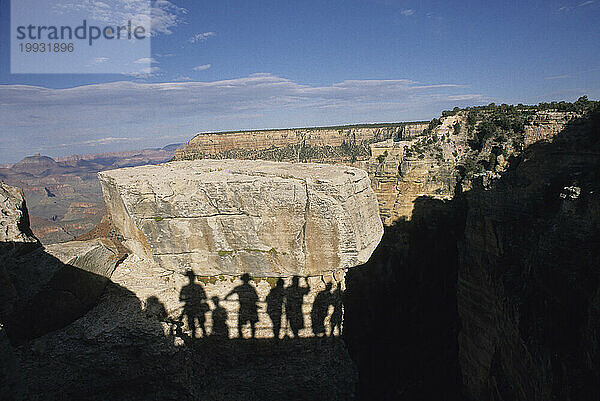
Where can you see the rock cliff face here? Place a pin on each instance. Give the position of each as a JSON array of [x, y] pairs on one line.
[[528, 278], [232, 217], [509, 266], [15, 239], [221, 144], [57, 284], [14, 218]]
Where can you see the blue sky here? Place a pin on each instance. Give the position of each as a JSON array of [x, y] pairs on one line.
[[225, 65]]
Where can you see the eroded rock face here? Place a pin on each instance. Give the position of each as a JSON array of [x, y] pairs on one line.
[[234, 216], [15, 239]]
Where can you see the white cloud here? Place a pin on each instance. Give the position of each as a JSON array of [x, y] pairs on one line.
[[408, 12], [202, 67], [157, 16], [145, 73], [34, 116], [586, 3], [145, 60], [166, 15], [201, 37], [100, 60]]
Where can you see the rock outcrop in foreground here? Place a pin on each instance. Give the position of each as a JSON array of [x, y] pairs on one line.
[[45, 288], [14, 221], [242, 216]]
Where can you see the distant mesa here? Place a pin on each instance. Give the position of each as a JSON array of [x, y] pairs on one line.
[[35, 164]]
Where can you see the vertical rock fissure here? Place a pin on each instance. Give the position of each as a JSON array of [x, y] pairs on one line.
[[306, 206]]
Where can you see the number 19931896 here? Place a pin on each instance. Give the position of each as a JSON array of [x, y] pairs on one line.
[[46, 47]]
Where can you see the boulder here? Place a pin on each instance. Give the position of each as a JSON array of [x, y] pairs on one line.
[[268, 219]]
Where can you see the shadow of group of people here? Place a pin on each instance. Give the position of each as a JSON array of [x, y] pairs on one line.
[[280, 302]]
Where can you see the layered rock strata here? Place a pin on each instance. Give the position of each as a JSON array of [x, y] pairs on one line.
[[240, 216], [206, 145]]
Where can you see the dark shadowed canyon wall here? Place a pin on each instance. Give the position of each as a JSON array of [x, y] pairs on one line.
[[495, 294]]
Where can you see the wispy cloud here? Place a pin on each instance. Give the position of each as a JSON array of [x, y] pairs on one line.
[[100, 60], [567, 8], [201, 37], [145, 60], [103, 141], [408, 12], [572, 74], [586, 3], [103, 114], [202, 67]]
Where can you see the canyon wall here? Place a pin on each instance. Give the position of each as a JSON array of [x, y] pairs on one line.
[[503, 269], [226, 144], [528, 278]]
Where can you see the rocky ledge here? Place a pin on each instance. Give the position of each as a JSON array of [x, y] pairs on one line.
[[231, 217]]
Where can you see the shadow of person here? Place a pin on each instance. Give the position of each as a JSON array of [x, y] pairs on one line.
[[195, 305], [294, 298], [275, 306], [320, 309], [248, 311], [155, 309], [219, 320], [337, 315]]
